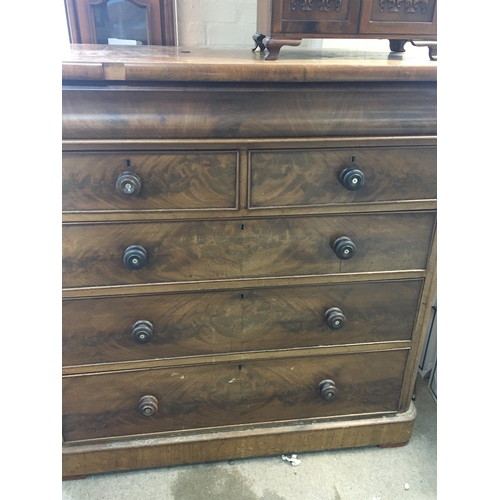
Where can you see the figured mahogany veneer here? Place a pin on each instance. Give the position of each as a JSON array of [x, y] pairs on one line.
[[101, 330], [183, 180], [248, 256], [193, 397], [250, 248], [311, 178]]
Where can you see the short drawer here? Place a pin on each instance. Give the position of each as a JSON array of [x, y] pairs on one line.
[[149, 181], [320, 177], [95, 254], [167, 326], [194, 397]]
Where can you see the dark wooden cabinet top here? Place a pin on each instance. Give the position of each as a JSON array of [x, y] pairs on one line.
[[157, 63]]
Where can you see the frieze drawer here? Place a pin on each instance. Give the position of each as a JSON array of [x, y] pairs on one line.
[[196, 397], [138, 253]]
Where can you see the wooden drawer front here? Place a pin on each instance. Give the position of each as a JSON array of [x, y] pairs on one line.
[[319, 16], [169, 181], [106, 404], [410, 17], [208, 250], [101, 330], [302, 178]]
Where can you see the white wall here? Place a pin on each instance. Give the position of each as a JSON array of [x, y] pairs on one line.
[[216, 22]]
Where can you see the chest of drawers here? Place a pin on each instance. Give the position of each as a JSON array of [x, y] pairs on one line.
[[248, 253]]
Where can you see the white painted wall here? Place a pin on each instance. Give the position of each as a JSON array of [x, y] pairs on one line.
[[216, 22]]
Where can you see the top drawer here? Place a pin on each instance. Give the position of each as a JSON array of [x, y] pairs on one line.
[[313, 177], [149, 181]]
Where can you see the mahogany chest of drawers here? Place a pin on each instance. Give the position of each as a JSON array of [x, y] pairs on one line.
[[248, 253]]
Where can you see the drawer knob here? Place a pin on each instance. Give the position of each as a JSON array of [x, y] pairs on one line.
[[142, 331], [327, 390], [135, 257], [148, 405], [344, 248], [128, 184], [335, 318], [352, 178]]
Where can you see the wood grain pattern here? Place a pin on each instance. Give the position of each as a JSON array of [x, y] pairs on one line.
[[335, 109], [202, 64], [170, 181], [229, 284], [149, 364], [194, 397], [100, 330], [237, 443], [311, 177], [210, 250]]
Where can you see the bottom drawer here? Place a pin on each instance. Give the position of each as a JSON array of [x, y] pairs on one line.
[[194, 397]]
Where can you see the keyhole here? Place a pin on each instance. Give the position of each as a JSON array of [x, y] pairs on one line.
[[242, 227], [353, 159], [242, 297], [239, 367], [128, 163]]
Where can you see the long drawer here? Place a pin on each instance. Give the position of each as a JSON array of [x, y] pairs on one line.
[[173, 325], [95, 254], [192, 397], [314, 177], [149, 181]]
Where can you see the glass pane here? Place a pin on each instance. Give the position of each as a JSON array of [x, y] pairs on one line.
[[122, 21]]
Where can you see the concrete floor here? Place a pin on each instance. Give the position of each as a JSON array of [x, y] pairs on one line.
[[369, 473]]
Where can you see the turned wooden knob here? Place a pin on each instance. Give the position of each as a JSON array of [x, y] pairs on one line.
[[135, 257], [148, 405], [327, 389], [128, 184], [352, 178], [142, 331], [335, 318], [344, 248]]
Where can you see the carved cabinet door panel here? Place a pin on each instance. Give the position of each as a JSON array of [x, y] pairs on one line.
[[405, 17], [316, 17]]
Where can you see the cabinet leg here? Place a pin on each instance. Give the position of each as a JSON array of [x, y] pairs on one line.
[[432, 46], [397, 45], [273, 45]]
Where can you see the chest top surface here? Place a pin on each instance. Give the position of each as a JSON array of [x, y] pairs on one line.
[[298, 65]]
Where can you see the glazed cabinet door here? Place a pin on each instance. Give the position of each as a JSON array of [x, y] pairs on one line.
[[399, 17], [134, 22]]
